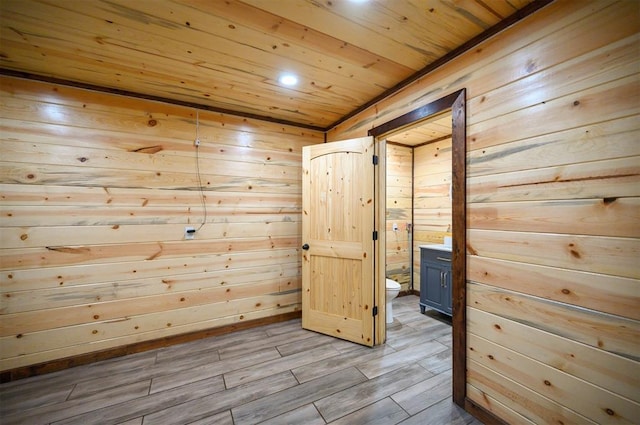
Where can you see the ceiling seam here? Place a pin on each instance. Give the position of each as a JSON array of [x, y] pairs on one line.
[[121, 92]]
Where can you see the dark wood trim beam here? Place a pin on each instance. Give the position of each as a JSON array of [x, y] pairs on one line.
[[479, 412], [457, 103], [120, 92], [433, 108], [138, 347], [459, 249]]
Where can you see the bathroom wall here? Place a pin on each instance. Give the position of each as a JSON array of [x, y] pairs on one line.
[[553, 206], [95, 193], [399, 211], [431, 202]]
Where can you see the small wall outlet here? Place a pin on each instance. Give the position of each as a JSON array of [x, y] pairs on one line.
[[196, 143], [395, 227], [189, 232]]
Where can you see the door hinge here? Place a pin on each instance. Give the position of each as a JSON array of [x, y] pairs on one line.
[[375, 310], [375, 235], [375, 159]]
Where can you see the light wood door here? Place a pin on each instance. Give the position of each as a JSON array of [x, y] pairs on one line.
[[337, 236]]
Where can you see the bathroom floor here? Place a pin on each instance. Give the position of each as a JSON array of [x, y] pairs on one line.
[[275, 374]]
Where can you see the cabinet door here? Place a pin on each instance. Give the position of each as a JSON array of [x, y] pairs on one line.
[[433, 286]]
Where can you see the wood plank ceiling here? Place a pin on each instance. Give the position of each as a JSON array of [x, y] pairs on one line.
[[430, 130], [228, 55]]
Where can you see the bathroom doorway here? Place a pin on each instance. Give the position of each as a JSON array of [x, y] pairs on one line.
[[449, 107]]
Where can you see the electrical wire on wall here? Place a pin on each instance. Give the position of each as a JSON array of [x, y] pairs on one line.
[[196, 143]]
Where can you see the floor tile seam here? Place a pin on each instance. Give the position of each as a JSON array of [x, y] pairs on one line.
[[213, 347], [346, 366], [400, 406], [377, 401], [414, 362], [99, 408], [269, 335], [14, 410], [432, 404], [337, 353], [213, 393], [288, 411], [306, 382], [319, 412], [216, 340], [204, 366], [151, 376], [413, 345], [76, 386], [365, 382], [163, 361], [20, 394], [272, 346], [433, 376], [164, 407], [334, 393], [198, 420], [364, 407], [425, 408], [269, 395], [45, 379], [310, 336]]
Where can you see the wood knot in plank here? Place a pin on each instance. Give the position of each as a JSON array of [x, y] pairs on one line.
[[530, 66], [154, 256], [148, 149], [69, 250]]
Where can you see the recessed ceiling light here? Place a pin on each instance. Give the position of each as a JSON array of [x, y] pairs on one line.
[[288, 79]]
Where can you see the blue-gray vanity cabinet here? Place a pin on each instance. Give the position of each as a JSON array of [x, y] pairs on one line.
[[435, 280]]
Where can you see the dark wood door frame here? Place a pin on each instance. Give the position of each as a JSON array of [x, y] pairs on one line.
[[457, 103]]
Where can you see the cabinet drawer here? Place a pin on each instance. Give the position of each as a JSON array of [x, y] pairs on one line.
[[435, 255]]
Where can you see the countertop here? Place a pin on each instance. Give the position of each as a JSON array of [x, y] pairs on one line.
[[440, 247]]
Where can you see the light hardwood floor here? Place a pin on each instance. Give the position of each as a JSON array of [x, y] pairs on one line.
[[275, 374]]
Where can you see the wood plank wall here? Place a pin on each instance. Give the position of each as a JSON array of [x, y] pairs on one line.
[[431, 202], [96, 191], [553, 202], [400, 211]]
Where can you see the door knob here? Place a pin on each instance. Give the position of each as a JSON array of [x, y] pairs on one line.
[[305, 246]]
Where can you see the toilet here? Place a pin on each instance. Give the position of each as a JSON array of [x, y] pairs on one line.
[[393, 288]]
